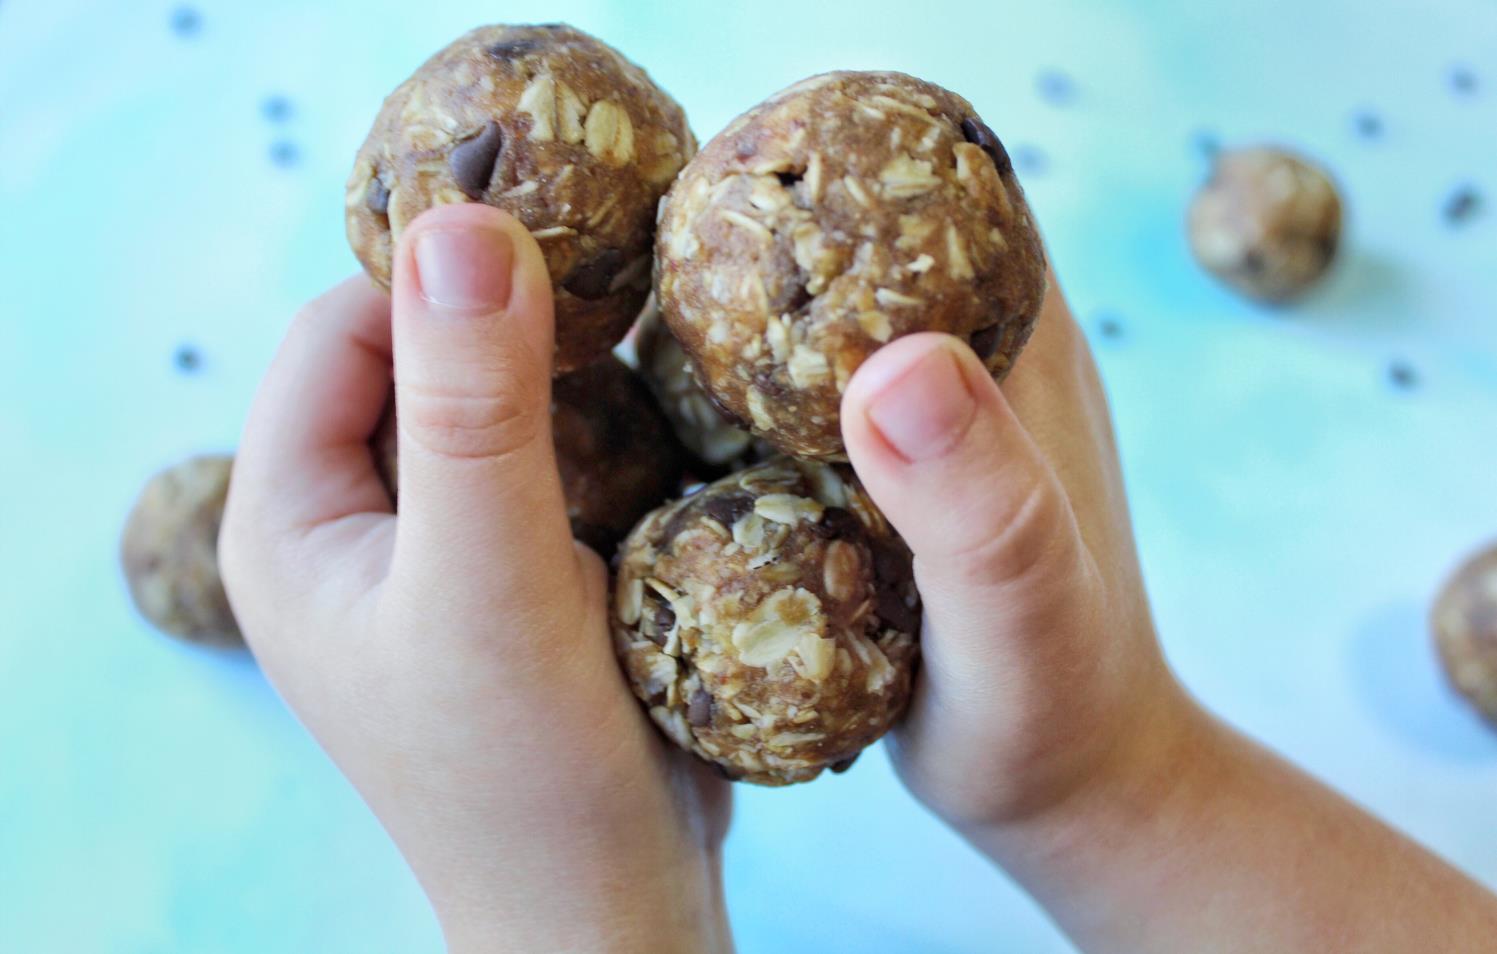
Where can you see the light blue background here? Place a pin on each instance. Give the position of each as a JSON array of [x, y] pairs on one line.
[[1295, 512]]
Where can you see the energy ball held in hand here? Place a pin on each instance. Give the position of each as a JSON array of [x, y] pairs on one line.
[[844, 212], [615, 451], [169, 552], [1464, 620], [550, 125], [1266, 223], [769, 622], [716, 443]]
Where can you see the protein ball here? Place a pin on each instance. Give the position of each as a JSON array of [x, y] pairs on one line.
[[1266, 223], [614, 448], [769, 622], [169, 552], [550, 125], [1464, 621], [844, 212], [706, 432]]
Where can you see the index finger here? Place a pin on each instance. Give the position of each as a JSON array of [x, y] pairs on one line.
[[304, 458]]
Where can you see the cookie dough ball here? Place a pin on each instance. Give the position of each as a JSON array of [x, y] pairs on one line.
[[1266, 223], [770, 621], [169, 552], [555, 128], [842, 213], [1464, 620], [614, 449], [713, 439]]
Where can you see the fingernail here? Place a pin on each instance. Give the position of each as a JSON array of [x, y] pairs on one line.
[[924, 411], [465, 269]]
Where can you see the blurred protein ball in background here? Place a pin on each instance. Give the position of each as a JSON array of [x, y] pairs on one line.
[[1464, 620], [1266, 223]]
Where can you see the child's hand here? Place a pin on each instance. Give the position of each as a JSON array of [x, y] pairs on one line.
[[1039, 658], [454, 660], [1045, 725]]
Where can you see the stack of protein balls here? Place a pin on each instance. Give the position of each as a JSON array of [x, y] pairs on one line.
[[768, 620]]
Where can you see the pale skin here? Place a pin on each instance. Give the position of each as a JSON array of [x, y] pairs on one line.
[[454, 660]]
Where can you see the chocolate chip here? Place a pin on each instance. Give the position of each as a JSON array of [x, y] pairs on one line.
[[512, 49], [842, 765], [592, 279], [788, 179], [978, 134], [727, 508], [1462, 205], [472, 161], [187, 359], [1206, 143], [1030, 159], [894, 613], [1253, 263], [985, 342], [377, 199], [1368, 124], [1055, 87], [838, 523], [891, 563], [284, 154], [1462, 80], [186, 21], [276, 108], [699, 708], [664, 616], [1402, 375], [1110, 327]]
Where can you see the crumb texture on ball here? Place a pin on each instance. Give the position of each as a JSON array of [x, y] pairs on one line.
[[169, 552], [1464, 620], [554, 127], [769, 622], [615, 451], [844, 212], [1267, 223]]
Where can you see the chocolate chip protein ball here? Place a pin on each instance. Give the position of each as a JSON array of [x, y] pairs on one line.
[[1464, 621], [713, 439], [844, 212], [169, 552], [769, 622], [550, 125], [1266, 223], [615, 451]]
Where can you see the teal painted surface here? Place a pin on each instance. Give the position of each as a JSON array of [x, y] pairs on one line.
[[1295, 511]]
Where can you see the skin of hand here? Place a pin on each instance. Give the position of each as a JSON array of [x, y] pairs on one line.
[[454, 660], [1046, 726]]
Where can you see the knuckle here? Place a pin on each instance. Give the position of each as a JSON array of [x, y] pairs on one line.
[[1033, 539], [470, 426]]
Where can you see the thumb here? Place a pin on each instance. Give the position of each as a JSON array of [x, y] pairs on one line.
[[995, 541], [472, 332]]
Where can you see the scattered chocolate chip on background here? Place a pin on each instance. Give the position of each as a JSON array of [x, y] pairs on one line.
[[276, 108], [1402, 375], [1369, 125], [186, 22], [187, 359], [1462, 80], [284, 153], [1055, 87], [1205, 143], [1110, 327], [1030, 159], [1462, 205]]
